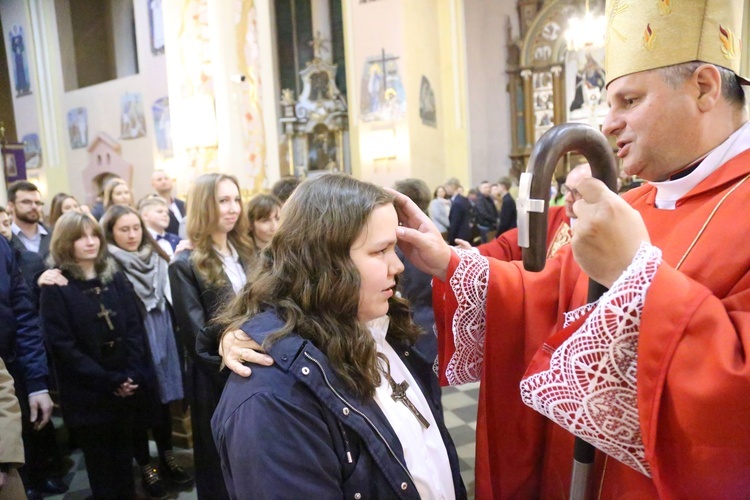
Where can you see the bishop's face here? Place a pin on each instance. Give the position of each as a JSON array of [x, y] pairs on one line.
[[653, 123]]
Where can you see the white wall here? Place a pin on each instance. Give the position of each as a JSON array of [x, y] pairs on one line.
[[103, 104], [487, 81]]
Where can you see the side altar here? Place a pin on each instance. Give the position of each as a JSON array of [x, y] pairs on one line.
[[316, 126]]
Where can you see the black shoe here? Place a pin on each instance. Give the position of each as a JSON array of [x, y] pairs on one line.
[[152, 482], [53, 486], [172, 470]]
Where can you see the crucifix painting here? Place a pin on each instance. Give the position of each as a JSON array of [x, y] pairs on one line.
[[382, 94]]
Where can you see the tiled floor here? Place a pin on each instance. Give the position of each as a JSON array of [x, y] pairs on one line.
[[460, 409]]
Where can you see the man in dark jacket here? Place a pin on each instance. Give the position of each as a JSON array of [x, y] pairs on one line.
[[25, 200], [508, 214], [461, 213], [486, 211], [162, 184]]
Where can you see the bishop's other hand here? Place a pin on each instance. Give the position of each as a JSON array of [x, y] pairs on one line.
[[607, 234], [419, 239]]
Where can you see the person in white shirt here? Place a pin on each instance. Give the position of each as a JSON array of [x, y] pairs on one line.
[[25, 201]]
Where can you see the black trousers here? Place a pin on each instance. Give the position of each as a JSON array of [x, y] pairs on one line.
[[108, 450], [162, 432], [44, 460], [204, 398]]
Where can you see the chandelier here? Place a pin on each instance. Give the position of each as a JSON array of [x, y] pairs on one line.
[[586, 32]]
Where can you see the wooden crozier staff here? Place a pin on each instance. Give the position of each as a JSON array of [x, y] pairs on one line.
[[533, 203]]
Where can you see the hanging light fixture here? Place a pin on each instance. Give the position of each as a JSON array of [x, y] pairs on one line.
[[585, 32]]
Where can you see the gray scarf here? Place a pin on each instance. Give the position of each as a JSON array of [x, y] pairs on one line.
[[147, 271]]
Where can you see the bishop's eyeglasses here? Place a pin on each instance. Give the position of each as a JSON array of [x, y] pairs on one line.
[[573, 192]]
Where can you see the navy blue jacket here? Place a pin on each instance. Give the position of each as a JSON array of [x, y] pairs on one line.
[[21, 341], [508, 214], [461, 218], [172, 239], [293, 430], [90, 359]]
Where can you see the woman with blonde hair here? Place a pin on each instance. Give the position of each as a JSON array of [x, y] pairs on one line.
[[202, 280], [97, 343], [117, 192]]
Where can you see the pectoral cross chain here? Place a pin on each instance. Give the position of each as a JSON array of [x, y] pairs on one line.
[[106, 313], [399, 394]]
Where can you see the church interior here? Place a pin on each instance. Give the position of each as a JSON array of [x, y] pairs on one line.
[[262, 89], [383, 89]]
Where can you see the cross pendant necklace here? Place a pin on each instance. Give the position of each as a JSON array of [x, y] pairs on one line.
[[399, 394], [106, 313]]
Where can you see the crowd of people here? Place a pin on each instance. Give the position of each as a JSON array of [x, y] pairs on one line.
[[485, 212], [104, 307]]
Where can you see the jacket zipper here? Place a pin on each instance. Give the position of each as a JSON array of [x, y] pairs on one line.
[[346, 441], [377, 431]]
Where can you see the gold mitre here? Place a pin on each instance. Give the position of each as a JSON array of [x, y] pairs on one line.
[[650, 34]]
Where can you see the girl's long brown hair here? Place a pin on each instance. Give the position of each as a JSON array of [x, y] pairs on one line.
[[307, 275], [202, 219], [113, 214], [260, 206], [68, 229]]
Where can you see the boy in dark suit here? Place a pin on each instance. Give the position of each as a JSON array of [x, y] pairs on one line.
[[155, 214]]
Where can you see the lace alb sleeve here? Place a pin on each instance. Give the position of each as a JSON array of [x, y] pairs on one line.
[[590, 385], [469, 285]]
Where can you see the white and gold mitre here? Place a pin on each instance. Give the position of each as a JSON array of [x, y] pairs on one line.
[[650, 34]]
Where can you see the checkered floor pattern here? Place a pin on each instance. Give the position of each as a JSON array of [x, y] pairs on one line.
[[460, 410]]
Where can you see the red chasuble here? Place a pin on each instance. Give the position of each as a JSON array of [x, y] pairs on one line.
[[505, 247], [693, 379]]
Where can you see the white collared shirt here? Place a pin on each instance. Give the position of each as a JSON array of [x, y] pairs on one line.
[[163, 243], [233, 269], [31, 244], [668, 192], [424, 450]]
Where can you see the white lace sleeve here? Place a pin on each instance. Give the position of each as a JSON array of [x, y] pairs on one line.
[[469, 285], [590, 386]]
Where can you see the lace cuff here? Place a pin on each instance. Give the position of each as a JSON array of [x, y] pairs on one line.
[[589, 385], [469, 284]]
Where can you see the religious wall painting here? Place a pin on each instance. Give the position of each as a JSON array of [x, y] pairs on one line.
[[78, 127], [156, 25], [14, 163], [20, 64], [321, 149], [32, 151], [427, 110], [163, 127], [132, 122], [543, 102], [586, 96], [382, 94]]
